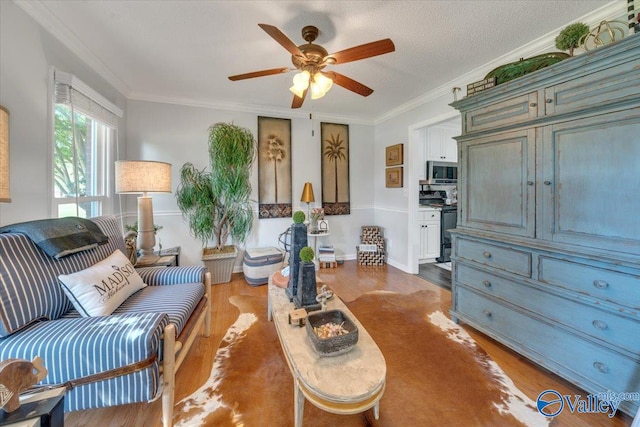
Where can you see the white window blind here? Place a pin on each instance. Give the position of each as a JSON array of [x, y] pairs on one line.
[[71, 90]]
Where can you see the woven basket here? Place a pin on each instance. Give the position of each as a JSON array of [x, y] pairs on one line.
[[220, 266], [335, 345]]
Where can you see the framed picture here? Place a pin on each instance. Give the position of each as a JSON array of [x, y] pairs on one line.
[[393, 155], [335, 168], [274, 168], [393, 177]]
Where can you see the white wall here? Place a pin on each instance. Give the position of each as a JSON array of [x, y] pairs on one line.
[[27, 53], [395, 206], [178, 134]]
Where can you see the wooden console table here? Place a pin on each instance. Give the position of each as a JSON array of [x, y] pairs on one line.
[[346, 384]]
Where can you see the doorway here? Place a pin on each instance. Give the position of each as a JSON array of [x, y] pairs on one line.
[[416, 153]]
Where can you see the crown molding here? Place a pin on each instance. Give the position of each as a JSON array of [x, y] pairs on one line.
[[251, 108], [37, 9], [545, 43]]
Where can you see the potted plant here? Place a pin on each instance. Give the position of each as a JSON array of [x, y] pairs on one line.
[[571, 37], [307, 288], [216, 202]]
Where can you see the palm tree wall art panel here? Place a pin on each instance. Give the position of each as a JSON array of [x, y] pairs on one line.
[[274, 168], [335, 169]]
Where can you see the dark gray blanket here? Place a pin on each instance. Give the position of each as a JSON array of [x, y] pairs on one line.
[[59, 237]]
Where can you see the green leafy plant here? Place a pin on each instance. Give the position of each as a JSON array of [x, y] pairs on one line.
[[134, 228], [306, 254], [216, 202], [298, 217], [569, 38]]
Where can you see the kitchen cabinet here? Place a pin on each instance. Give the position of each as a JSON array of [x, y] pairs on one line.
[[546, 254], [440, 145], [429, 232]]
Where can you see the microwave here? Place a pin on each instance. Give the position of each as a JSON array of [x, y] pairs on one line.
[[442, 173]]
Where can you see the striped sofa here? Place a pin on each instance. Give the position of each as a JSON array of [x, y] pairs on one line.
[[129, 356]]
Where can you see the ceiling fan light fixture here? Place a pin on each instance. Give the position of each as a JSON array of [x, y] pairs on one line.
[[310, 58], [323, 82], [316, 91], [300, 83], [320, 85]]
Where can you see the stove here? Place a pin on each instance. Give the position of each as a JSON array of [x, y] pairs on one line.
[[448, 221]]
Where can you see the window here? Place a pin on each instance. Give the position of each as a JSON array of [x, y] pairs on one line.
[[85, 133]]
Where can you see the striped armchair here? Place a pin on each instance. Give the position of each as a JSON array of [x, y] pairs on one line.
[[129, 356]]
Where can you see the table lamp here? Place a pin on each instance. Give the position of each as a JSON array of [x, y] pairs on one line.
[[140, 176], [307, 196]]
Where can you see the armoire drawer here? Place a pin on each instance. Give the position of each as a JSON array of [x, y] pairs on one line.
[[502, 258], [589, 365], [619, 331], [593, 89], [514, 110], [612, 286]]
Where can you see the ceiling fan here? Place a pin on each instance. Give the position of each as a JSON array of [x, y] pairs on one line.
[[311, 59]]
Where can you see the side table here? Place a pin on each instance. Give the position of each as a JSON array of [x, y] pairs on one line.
[[163, 261], [168, 258], [173, 252], [45, 409], [315, 245]]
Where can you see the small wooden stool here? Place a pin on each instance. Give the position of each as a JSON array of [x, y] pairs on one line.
[[299, 316]]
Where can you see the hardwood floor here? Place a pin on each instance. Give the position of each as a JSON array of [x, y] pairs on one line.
[[436, 275], [348, 281]]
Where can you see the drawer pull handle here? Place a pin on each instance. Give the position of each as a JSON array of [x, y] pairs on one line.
[[549, 100], [601, 367], [600, 284], [529, 182], [486, 254], [599, 324], [547, 183], [487, 283], [533, 104], [487, 313]]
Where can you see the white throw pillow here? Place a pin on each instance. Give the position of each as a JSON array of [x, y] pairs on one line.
[[101, 288]]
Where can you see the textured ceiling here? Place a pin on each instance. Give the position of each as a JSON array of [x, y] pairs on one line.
[[183, 51]]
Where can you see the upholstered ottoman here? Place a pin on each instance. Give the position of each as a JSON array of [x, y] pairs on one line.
[[259, 263]]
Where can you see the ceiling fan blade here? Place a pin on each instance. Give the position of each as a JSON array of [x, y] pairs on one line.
[[349, 83], [281, 38], [258, 74], [363, 51], [297, 101]]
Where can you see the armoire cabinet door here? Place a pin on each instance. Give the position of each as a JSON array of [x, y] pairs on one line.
[[498, 190], [597, 162]]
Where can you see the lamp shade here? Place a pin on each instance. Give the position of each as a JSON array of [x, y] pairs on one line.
[[307, 193], [142, 176], [4, 155]]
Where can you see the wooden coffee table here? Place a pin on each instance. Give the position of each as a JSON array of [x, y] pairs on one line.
[[346, 384]]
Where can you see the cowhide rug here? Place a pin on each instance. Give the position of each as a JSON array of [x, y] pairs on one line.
[[436, 374]]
